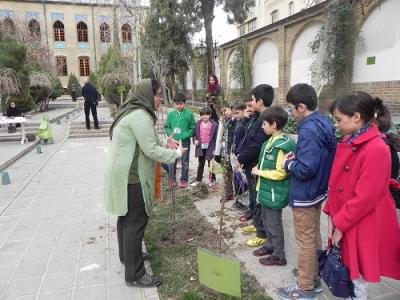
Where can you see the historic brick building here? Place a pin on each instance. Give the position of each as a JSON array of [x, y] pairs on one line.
[[76, 32], [281, 55]]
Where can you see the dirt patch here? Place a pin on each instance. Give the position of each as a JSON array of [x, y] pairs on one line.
[[174, 249]]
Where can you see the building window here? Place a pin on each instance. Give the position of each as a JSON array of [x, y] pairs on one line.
[[59, 34], [242, 31], [291, 8], [61, 63], [84, 66], [126, 33], [8, 26], [274, 16], [105, 34], [82, 32], [251, 25], [34, 28]]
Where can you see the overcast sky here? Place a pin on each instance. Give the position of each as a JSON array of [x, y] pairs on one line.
[[222, 31]]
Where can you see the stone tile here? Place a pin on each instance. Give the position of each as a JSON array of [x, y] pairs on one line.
[[59, 295], [30, 269], [124, 292], [21, 287], [70, 251], [95, 276], [39, 254], [95, 292], [10, 258], [57, 282], [17, 235], [14, 246], [68, 239], [62, 265]]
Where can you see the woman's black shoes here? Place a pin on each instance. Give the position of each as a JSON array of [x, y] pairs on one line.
[[146, 281]]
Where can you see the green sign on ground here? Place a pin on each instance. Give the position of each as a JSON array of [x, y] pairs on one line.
[[219, 273], [371, 60]]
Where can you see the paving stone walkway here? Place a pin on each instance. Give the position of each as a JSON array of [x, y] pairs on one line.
[[55, 240]]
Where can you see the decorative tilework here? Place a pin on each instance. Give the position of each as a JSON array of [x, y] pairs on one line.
[[6, 13], [126, 20], [59, 45], [103, 19], [57, 16], [32, 15], [83, 45], [79, 18]]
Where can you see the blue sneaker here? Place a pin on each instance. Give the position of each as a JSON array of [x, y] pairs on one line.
[[293, 292]]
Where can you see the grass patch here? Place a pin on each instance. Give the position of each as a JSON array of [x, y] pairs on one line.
[[175, 258], [193, 109]]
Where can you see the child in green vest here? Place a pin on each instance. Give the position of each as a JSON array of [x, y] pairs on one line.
[[273, 184]]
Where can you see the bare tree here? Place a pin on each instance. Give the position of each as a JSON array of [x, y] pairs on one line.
[[9, 86]]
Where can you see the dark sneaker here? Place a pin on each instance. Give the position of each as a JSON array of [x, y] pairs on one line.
[[97, 127], [146, 256], [87, 127], [239, 205], [317, 282], [273, 261], [292, 292], [146, 281], [262, 252], [247, 216]]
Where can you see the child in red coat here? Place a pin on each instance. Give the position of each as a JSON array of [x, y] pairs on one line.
[[362, 214]]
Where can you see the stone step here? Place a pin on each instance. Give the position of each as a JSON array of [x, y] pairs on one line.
[[101, 122], [88, 135], [83, 126], [85, 131]]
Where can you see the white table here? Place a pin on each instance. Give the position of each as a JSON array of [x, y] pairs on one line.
[[21, 120]]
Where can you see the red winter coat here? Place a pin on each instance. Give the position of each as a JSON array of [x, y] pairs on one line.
[[362, 207]]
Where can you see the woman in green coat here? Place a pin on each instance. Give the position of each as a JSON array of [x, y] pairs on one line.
[[130, 175]]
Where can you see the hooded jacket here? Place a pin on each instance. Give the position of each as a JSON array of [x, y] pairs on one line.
[[134, 150], [310, 170]]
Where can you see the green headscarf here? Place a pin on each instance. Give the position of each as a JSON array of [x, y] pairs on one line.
[[139, 97]]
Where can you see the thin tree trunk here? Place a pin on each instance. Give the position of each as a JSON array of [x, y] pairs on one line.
[[173, 84], [207, 8]]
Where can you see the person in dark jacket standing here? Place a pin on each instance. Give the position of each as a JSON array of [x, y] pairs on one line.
[[310, 168], [12, 112], [248, 152], [91, 96]]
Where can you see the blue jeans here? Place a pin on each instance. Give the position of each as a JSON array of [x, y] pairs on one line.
[[185, 164]]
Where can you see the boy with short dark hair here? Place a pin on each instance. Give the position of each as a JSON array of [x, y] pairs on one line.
[[181, 123], [248, 152], [310, 168], [273, 184]]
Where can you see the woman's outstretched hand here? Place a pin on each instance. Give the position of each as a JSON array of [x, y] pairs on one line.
[[171, 143]]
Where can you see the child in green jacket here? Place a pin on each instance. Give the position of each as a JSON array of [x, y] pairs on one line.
[[273, 184], [181, 123]]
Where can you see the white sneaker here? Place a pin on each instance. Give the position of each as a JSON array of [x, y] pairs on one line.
[[195, 183]]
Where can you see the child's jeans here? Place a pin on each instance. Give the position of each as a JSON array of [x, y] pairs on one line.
[[272, 220], [185, 164]]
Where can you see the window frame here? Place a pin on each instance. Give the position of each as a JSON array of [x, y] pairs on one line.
[[105, 33], [275, 16], [34, 28], [126, 34], [62, 68], [84, 66], [58, 32], [82, 33]]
